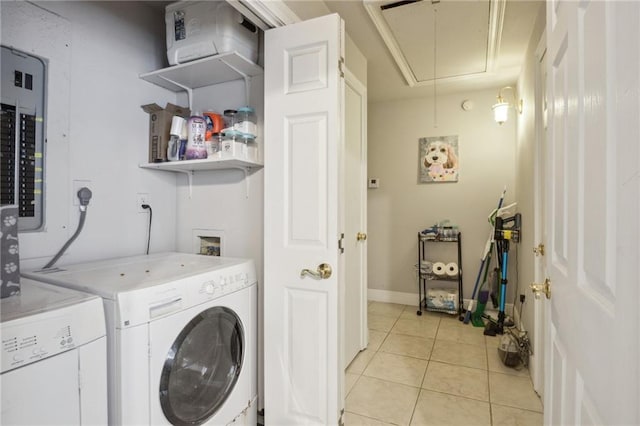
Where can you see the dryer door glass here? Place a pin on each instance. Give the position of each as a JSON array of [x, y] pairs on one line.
[[202, 367]]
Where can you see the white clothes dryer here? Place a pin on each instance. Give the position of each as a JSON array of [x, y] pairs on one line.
[[54, 357], [182, 336]]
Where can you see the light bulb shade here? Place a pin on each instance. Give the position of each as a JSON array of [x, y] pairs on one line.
[[500, 112]]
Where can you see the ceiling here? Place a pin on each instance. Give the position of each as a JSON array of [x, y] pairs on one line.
[[473, 49]]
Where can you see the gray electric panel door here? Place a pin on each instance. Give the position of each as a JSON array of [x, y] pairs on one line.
[[22, 136]]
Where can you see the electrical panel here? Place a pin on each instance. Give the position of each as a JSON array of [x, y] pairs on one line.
[[22, 136]]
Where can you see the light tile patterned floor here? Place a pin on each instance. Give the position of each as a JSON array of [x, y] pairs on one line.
[[434, 370]]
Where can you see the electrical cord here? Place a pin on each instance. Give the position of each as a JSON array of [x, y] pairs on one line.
[[84, 194], [148, 207]]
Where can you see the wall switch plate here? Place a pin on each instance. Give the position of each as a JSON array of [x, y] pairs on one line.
[[77, 185], [374, 183], [142, 198]]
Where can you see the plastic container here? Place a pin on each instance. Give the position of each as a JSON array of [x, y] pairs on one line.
[[215, 124], [213, 145], [239, 145], [228, 143], [229, 119], [196, 129], [245, 121], [205, 28], [173, 148]]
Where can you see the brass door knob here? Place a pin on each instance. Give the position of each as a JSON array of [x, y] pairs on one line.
[[322, 272], [539, 251], [361, 236], [544, 288]]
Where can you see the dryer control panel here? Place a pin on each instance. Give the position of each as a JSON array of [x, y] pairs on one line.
[[224, 284]]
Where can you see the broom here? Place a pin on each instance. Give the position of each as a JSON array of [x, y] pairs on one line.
[[488, 247], [467, 314], [476, 319]]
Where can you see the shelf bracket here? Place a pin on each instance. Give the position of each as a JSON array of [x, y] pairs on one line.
[[245, 170], [246, 78], [189, 174], [187, 89], [246, 182]]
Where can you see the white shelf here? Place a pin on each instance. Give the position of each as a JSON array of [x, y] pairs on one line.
[[186, 166], [204, 72]]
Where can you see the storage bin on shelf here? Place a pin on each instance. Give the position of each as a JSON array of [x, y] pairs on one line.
[[239, 145]]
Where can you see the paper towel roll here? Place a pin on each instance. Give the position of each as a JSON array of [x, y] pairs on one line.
[[439, 268], [177, 123], [452, 269]]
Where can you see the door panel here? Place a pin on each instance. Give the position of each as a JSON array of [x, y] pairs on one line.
[[592, 213], [303, 149], [306, 174], [306, 313]]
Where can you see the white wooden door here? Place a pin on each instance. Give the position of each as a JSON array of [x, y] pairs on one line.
[[304, 93], [355, 243], [540, 304], [593, 191]]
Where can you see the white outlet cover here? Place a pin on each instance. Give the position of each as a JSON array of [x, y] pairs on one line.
[[142, 198], [374, 183]]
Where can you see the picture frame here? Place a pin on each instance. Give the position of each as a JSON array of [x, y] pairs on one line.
[[438, 159]]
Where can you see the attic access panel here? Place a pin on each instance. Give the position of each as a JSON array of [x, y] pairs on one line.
[[467, 36]]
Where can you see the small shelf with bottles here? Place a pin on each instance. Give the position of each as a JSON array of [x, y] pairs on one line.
[[427, 278], [208, 71], [185, 166]]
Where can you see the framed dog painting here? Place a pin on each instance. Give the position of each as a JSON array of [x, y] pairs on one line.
[[438, 159]]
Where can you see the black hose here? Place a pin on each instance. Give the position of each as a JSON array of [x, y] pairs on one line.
[[83, 214]]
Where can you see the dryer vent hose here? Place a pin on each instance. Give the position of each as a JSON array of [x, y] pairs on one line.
[[84, 194]]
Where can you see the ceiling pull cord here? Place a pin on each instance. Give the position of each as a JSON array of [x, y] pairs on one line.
[[435, 61]]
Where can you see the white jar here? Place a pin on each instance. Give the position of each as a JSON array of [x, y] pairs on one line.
[[245, 121]]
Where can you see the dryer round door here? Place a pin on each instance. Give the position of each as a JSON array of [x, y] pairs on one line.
[[202, 366]]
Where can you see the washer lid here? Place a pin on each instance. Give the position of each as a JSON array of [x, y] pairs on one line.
[[108, 278], [36, 297]]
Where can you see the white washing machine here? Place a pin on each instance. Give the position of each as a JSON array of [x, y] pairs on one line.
[[54, 357], [181, 336]]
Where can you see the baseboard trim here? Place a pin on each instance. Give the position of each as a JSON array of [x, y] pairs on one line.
[[411, 299], [392, 297]]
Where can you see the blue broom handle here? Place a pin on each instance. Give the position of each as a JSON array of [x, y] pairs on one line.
[[503, 288]]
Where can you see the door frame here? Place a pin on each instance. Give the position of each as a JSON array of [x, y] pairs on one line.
[[540, 320], [352, 81]]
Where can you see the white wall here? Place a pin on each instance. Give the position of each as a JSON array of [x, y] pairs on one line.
[[96, 130], [355, 61], [402, 207]]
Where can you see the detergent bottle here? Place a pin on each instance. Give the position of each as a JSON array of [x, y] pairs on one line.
[[196, 129]]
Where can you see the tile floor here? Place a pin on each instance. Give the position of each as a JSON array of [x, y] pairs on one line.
[[434, 370]]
